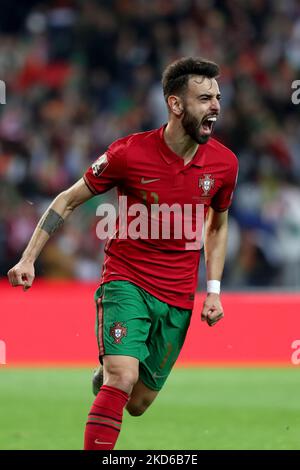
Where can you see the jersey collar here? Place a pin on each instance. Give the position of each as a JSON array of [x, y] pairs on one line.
[[171, 157]]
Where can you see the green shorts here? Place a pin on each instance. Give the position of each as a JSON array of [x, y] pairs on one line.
[[132, 322]]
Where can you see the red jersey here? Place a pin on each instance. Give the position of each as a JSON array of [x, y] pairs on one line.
[[147, 171]]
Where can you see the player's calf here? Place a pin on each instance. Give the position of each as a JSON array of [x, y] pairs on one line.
[[105, 418], [141, 398], [137, 409]]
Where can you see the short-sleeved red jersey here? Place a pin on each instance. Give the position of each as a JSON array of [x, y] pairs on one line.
[[147, 171]]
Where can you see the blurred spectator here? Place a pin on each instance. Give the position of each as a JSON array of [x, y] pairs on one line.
[[80, 74]]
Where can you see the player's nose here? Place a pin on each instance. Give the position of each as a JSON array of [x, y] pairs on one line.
[[215, 106]]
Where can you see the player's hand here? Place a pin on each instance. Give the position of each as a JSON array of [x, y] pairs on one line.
[[22, 274], [212, 310]]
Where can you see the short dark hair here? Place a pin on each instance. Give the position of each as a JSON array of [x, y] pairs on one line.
[[176, 75]]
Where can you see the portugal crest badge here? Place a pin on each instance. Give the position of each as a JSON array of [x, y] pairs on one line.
[[118, 331], [206, 183]]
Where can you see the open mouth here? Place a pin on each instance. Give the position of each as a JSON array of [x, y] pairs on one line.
[[207, 124]]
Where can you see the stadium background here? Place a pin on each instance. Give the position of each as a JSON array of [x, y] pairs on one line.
[[80, 74]]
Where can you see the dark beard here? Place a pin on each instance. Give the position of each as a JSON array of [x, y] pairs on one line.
[[192, 126]]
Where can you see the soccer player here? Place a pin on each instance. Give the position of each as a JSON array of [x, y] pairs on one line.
[[146, 294]]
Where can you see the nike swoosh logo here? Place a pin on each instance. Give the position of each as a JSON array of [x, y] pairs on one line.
[[99, 442], [156, 376], [144, 181]]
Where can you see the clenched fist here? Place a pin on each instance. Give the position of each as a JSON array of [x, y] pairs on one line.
[[212, 310], [22, 274]]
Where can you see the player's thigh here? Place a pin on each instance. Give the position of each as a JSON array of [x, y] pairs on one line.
[[164, 345], [141, 398], [123, 321]]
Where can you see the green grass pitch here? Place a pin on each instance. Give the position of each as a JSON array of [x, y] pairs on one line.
[[199, 408]]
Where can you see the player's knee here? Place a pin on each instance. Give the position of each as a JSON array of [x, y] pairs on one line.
[[125, 379]]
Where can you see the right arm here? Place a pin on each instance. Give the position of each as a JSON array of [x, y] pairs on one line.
[[22, 274], [107, 171]]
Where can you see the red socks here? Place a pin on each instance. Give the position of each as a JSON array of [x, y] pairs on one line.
[[105, 419]]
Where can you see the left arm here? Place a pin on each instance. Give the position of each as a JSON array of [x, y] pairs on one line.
[[215, 244]]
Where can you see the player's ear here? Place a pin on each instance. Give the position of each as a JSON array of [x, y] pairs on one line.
[[175, 104]]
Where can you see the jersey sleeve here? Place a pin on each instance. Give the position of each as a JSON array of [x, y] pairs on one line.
[[108, 170], [223, 198]]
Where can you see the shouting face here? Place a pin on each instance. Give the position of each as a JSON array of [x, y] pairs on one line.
[[200, 108]]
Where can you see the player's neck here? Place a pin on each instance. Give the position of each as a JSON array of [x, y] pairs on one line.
[[179, 142]]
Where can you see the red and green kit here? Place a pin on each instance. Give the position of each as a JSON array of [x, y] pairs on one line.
[[147, 171], [158, 274]]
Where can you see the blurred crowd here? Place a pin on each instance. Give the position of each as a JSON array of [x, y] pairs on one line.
[[80, 74]]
